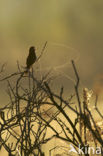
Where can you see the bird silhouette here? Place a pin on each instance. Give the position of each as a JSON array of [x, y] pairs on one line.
[[31, 58]]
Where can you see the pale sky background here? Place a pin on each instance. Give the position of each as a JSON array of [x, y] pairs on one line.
[[73, 29]]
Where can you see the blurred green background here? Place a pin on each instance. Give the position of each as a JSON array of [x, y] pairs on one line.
[[76, 24]]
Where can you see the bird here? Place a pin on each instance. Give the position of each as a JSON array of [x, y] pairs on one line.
[[31, 59]]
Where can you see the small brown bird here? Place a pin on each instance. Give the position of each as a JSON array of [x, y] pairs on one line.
[[31, 58]]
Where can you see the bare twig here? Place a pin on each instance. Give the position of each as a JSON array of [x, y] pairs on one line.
[[96, 108], [42, 52]]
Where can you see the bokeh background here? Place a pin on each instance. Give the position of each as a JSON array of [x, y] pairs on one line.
[[73, 29], [77, 24]]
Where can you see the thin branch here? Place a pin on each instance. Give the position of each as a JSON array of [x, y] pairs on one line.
[[96, 108], [42, 51]]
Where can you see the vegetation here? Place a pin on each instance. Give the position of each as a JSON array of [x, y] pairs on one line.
[[24, 123]]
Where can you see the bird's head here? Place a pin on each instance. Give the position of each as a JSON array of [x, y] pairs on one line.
[[32, 49]]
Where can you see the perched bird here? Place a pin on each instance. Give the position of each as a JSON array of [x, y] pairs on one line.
[[31, 58]]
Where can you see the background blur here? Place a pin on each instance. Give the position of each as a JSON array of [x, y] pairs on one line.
[[73, 29]]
